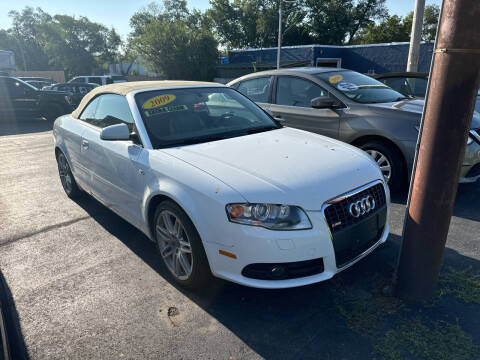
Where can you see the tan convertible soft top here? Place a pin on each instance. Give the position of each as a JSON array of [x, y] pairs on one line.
[[126, 87]]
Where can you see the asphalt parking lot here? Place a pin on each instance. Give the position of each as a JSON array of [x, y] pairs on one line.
[[88, 285]]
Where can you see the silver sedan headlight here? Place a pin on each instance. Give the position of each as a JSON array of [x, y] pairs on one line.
[[270, 216]]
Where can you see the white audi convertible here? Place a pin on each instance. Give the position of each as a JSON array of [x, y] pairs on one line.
[[221, 186]]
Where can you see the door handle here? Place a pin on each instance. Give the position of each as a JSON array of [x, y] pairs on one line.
[[84, 144]]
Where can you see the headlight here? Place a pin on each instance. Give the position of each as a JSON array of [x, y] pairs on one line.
[[270, 216]]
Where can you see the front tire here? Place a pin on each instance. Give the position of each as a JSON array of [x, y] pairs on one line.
[[66, 177], [180, 247], [390, 162]]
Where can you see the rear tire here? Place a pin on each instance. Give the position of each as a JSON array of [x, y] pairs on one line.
[[66, 177], [180, 247], [390, 161]]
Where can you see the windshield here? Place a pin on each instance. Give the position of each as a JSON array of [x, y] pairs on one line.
[[360, 88], [189, 116]]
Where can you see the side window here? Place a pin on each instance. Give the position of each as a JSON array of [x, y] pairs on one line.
[[95, 80], [293, 91], [88, 114], [399, 84], [257, 89], [418, 86], [113, 109]]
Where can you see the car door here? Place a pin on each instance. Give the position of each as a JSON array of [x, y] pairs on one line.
[[258, 90], [6, 106], [22, 99], [117, 177], [74, 144], [292, 103]]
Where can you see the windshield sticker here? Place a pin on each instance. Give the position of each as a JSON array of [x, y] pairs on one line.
[[335, 79], [158, 101], [166, 109], [346, 86]]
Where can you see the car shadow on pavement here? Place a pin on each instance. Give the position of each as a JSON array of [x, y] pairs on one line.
[[15, 341], [351, 316], [24, 126]]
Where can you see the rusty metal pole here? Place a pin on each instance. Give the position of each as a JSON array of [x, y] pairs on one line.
[[454, 81]]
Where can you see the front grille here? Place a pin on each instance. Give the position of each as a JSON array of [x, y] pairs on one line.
[[338, 216], [474, 171], [283, 271]]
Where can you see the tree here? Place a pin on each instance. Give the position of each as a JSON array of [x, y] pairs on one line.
[[396, 28], [430, 22], [393, 29], [254, 23], [174, 41], [42, 42], [337, 22]]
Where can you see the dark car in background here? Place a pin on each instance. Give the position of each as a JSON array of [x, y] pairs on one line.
[[353, 108], [76, 91], [412, 84], [20, 100], [100, 79], [38, 83], [36, 78]]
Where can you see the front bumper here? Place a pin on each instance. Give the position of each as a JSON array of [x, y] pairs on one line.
[[254, 245]]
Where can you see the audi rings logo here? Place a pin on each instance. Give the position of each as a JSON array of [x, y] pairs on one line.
[[361, 207]]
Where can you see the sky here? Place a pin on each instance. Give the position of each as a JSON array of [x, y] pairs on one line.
[[116, 13]]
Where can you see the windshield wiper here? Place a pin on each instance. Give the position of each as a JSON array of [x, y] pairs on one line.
[[262, 129]]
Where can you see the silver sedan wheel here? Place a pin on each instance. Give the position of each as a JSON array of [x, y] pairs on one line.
[[64, 172], [174, 245], [383, 162]]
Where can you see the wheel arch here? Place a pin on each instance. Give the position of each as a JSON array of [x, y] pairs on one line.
[[180, 199], [358, 142]]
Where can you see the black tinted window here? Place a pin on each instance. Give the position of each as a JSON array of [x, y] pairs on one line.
[[95, 80], [418, 86], [257, 89], [399, 84], [111, 110], [78, 80], [188, 116], [293, 91]]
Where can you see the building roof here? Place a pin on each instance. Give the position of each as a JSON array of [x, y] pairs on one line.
[[126, 87]]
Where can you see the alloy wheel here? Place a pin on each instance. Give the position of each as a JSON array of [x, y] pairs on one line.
[[64, 172], [174, 245], [383, 162]]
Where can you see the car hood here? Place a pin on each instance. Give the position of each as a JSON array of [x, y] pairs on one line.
[[284, 166], [416, 107]]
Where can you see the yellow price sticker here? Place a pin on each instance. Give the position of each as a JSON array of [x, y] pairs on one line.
[[335, 79], [158, 101]]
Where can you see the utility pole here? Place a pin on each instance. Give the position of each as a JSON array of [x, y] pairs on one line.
[[416, 35], [279, 32], [453, 84]]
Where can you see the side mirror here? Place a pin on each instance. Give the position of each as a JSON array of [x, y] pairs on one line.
[[115, 132], [322, 102], [276, 118]]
